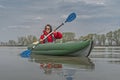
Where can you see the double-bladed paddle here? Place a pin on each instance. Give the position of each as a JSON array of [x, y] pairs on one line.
[[70, 18]]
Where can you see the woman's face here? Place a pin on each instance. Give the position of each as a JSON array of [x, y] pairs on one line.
[[47, 29]]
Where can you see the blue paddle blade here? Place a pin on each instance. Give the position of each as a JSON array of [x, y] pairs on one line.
[[26, 54], [71, 17]]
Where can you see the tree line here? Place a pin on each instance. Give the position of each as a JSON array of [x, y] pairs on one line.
[[111, 38], [22, 41]]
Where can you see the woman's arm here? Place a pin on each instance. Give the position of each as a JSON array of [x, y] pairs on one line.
[[57, 35]]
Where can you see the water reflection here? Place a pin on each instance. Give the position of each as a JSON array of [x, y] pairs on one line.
[[62, 66], [50, 67], [114, 61], [77, 62], [106, 49], [105, 55]]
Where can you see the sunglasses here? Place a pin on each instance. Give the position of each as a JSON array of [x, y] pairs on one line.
[[47, 28]]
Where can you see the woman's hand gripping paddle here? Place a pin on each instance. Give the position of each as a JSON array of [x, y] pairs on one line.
[[27, 53]]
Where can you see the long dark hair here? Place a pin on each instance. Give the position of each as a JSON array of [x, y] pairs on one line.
[[49, 26]]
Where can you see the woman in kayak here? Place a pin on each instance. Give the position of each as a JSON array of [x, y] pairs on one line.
[[51, 38]]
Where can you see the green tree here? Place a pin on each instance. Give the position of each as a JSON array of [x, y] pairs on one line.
[[12, 43], [30, 39], [103, 39], [109, 37], [116, 37], [99, 40], [89, 36], [27, 40], [22, 41], [81, 38], [68, 36]]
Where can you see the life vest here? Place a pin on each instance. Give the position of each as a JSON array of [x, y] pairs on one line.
[[53, 38]]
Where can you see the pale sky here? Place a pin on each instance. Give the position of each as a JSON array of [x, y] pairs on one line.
[[28, 17]]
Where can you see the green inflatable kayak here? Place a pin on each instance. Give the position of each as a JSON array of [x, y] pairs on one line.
[[78, 48]]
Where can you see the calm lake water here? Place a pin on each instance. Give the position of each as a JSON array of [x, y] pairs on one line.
[[102, 64]]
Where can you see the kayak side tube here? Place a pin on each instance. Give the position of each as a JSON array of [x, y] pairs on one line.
[[62, 49]]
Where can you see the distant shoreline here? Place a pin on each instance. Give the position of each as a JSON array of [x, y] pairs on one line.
[[106, 46]]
